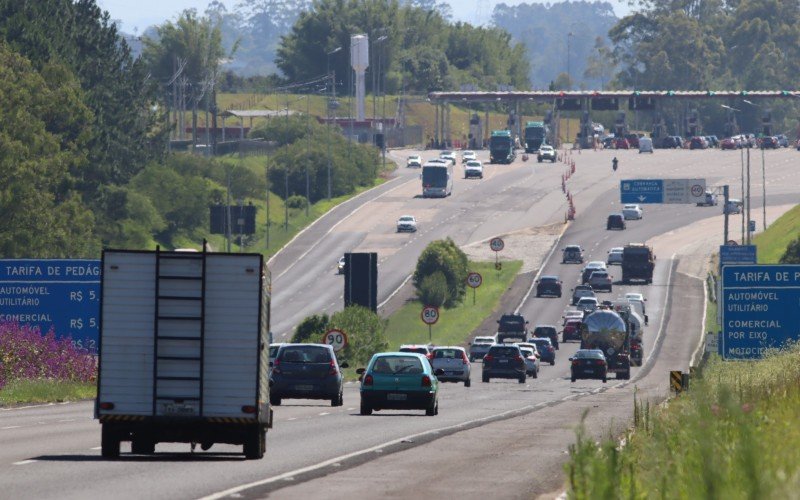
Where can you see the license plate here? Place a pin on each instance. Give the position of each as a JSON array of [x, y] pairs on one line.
[[304, 387], [397, 397], [588, 370], [179, 409], [503, 361]]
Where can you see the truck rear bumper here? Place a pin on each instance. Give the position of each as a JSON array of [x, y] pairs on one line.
[[229, 430]]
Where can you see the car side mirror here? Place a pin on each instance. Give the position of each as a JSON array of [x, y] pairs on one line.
[[438, 372], [271, 364], [344, 365], [360, 371], [498, 321], [569, 359]]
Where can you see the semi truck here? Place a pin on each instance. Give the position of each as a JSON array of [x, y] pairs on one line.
[[501, 147], [535, 136], [184, 350], [607, 331], [638, 262]]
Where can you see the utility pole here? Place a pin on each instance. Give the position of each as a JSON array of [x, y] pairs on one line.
[[308, 156], [332, 81], [742, 217], [726, 195], [269, 222], [763, 192], [748, 196]]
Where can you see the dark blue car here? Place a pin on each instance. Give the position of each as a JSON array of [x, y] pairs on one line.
[[306, 371], [546, 349]]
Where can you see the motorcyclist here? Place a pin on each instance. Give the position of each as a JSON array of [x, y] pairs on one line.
[[614, 163]]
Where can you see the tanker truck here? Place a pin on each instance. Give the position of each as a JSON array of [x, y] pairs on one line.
[[635, 325], [607, 331]]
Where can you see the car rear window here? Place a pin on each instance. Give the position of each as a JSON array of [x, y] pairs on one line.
[[397, 364], [305, 354], [418, 350], [447, 354], [588, 355], [504, 352], [526, 351], [543, 330]]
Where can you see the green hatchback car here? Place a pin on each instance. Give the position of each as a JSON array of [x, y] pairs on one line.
[[399, 381]]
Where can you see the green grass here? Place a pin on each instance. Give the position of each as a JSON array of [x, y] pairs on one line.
[[733, 435], [45, 391], [456, 324], [772, 243]]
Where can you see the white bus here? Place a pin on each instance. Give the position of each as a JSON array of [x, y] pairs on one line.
[[437, 180]]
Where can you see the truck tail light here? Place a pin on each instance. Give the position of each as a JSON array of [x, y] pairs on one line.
[[488, 358], [575, 362], [106, 406], [248, 409]]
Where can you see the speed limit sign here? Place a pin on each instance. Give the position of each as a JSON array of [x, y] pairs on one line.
[[497, 244], [474, 280], [430, 315], [336, 338]]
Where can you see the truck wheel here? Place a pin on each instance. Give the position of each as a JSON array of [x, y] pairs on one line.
[[572, 379], [604, 380], [471, 358], [109, 442], [552, 363], [274, 400], [143, 446], [365, 409], [254, 444]]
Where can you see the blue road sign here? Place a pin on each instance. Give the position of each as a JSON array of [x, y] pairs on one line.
[[642, 191], [60, 293], [760, 309], [737, 254]]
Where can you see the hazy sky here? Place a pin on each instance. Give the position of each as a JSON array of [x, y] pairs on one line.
[[140, 14]]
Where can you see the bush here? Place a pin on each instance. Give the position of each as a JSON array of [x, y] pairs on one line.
[[297, 201], [365, 334], [433, 289], [444, 256], [792, 254], [27, 354], [311, 329]]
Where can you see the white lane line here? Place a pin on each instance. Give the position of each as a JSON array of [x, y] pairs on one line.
[[67, 420], [24, 462], [96, 448], [396, 290], [10, 427], [324, 413], [290, 419]]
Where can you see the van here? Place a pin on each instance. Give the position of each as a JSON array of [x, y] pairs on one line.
[[708, 200], [734, 206], [645, 145]]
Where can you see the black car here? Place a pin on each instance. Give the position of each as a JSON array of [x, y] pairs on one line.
[[589, 363], [572, 254], [615, 221], [548, 285], [769, 142], [547, 331], [306, 371], [546, 349], [504, 361]]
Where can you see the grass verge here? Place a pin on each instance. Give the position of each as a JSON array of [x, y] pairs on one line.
[[455, 324], [733, 435], [45, 391], [772, 243]]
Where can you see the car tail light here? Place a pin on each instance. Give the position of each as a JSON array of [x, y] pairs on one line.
[[464, 358], [368, 380], [426, 381], [333, 370], [106, 406], [575, 362], [488, 358], [248, 409], [600, 362], [275, 367], [519, 358]]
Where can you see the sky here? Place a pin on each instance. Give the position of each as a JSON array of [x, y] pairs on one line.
[[136, 16]]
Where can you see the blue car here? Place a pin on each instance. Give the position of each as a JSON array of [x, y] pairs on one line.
[[399, 381], [306, 371], [546, 349]]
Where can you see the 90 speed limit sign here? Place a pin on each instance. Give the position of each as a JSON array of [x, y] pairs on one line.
[[430, 315], [336, 338]]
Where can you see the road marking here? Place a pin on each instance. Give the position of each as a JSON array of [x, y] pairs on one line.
[[396, 290], [67, 420], [324, 413], [541, 268], [290, 419], [24, 462], [10, 427], [96, 448]]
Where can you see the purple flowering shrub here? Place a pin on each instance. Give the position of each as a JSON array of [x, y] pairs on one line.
[[27, 354]]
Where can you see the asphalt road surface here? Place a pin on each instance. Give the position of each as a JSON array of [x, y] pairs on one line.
[[53, 451]]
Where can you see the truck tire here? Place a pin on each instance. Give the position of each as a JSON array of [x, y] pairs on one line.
[[109, 442], [471, 358], [254, 444], [535, 373], [552, 363], [274, 400], [143, 446]]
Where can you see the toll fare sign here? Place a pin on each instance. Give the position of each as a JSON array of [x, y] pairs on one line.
[[60, 293], [760, 309]]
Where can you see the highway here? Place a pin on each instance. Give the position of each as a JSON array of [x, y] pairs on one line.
[[53, 451]]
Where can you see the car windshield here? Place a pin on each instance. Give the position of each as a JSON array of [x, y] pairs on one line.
[[473, 164], [549, 279], [397, 364], [445, 153], [483, 340], [447, 354], [588, 355], [543, 330], [542, 342], [305, 354], [406, 219], [273, 350]]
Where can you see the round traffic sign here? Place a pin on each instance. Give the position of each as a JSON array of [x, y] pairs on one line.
[[430, 315], [497, 244], [474, 280], [732, 243], [698, 190], [336, 338]]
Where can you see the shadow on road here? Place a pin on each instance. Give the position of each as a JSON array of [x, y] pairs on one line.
[[155, 457]]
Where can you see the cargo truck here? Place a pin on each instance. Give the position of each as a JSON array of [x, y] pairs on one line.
[[184, 350], [607, 331], [535, 136], [501, 147], [638, 262]]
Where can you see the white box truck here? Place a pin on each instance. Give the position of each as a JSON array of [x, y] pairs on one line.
[[184, 350]]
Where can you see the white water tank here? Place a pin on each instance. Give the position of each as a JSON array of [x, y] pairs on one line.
[[359, 60]]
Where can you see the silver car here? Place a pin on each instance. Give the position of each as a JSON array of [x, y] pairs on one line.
[[454, 362], [480, 346], [529, 352]]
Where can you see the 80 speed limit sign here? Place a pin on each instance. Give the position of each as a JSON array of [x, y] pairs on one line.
[[336, 338], [430, 315]]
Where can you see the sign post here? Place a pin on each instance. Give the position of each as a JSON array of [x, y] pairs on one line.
[[497, 245], [474, 280], [336, 338], [430, 315]]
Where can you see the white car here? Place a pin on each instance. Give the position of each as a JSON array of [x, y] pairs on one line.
[[571, 314], [588, 304], [614, 256], [636, 299], [414, 161], [448, 155], [468, 156], [546, 152], [473, 168], [632, 212], [407, 223], [531, 355], [340, 266]]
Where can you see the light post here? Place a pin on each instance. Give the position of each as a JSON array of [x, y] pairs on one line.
[[741, 156], [569, 46], [376, 83], [763, 184], [332, 81]]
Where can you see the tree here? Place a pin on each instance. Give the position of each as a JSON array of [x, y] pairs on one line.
[[365, 333], [433, 291], [445, 257], [600, 63], [792, 254], [312, 328]]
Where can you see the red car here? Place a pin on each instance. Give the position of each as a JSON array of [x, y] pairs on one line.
[[633, 140], [728, 143], [621, 143], [572, 330]]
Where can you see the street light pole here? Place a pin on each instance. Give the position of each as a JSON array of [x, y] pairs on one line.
[[332, 81]]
